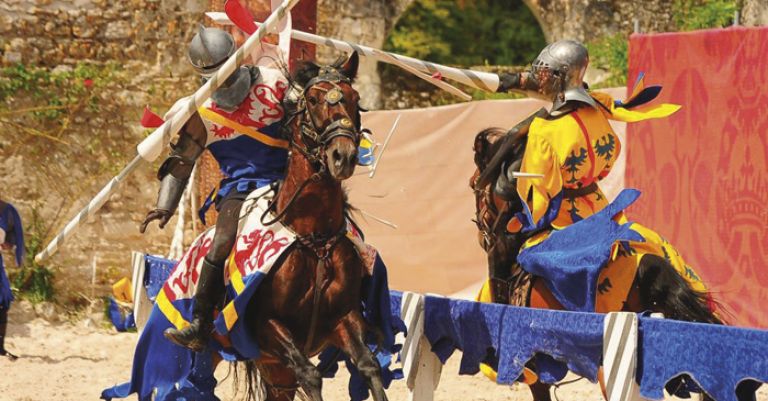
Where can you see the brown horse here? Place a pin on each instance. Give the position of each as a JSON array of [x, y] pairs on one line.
[[312, 300], [657, 286]]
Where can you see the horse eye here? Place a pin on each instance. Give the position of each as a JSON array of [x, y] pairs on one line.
[[312, 100]]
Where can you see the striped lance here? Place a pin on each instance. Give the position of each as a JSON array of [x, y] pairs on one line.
[[484, 81], [151, 147]]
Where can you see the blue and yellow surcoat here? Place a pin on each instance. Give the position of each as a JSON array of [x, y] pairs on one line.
[[572, 153]]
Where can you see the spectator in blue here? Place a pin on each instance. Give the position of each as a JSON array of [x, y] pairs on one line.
[[11, 236]]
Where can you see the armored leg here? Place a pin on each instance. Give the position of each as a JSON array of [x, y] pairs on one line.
[[210, 286]]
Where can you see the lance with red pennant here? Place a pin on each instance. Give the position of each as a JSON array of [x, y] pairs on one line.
[[151, 147]]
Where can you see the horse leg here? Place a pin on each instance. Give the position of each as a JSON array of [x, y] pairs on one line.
[[306, 373], [280, 381], [349, 337], [540, 391]]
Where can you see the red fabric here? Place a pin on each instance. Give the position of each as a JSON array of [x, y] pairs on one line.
[[703, 171], [240, 16], [150, 119]]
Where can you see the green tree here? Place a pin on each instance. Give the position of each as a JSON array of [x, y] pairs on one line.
[[495, 32], [697, 14]]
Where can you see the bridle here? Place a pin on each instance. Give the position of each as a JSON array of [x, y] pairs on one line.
[[313, 145], [487, 215], [315, 141]]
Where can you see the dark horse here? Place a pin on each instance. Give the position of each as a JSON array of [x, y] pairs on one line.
[[312, 300], [657, 286]]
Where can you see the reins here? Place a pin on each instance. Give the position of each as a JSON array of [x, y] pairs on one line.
[[312, 145]]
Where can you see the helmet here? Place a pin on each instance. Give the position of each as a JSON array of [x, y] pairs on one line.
[[209, 50], [560, 69]]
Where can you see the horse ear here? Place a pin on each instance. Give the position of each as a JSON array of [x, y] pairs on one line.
[[349, 68], [305, 71]]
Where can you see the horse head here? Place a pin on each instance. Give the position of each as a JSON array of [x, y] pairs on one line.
[[492, 210], [329, 127]]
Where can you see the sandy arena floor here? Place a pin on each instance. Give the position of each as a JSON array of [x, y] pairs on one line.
[[74, 362]]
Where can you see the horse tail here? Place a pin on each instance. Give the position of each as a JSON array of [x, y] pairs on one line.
[[255, 390], [663, 289]]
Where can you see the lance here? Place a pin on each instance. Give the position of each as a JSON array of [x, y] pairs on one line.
[[484, 81], [151, 147]]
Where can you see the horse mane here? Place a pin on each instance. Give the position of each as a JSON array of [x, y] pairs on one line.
[[488, 142]]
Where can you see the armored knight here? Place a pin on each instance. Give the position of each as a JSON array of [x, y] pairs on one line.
[[572, 146], [240, 127]]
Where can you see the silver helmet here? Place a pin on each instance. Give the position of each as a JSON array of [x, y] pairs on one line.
[[559, 70], [208, 51]]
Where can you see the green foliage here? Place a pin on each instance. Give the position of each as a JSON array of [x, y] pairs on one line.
[[56, 91], [697, 14], [35, 281], [496, 32], [610, 54]]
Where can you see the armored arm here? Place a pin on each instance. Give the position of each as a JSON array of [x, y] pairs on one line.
[[517, 81], [175, 171]]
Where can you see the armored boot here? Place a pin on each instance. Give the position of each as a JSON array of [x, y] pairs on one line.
[[210, 289], [499, 290]]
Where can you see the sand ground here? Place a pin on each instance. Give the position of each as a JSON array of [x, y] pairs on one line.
[[75, 361]]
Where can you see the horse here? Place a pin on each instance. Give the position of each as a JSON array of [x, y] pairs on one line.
[[312, 299], [657, 286]]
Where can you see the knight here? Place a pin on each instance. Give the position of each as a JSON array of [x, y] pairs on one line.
[[239, 126], [572, 147], [556, 76]]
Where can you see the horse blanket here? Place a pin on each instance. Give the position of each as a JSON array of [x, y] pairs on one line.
[[178, 373]]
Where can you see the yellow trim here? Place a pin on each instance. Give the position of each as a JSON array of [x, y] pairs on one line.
[[215, 192], [170, 312], [230, 315], [217, 118], [631, 116], [235, 278]]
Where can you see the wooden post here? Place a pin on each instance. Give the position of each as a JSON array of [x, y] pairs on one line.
[[142, 306], [620, 357], [421, 367]]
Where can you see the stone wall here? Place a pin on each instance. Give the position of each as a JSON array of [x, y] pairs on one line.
[[588, 20], [51, 32], [146, 39], [366, 22], [754, 13]]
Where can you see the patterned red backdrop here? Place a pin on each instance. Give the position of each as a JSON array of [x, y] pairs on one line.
[[703, 171]]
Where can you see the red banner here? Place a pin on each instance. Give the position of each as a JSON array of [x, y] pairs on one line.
[[703, 171]]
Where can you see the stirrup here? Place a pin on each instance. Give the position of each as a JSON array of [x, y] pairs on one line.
[[188, 338]]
